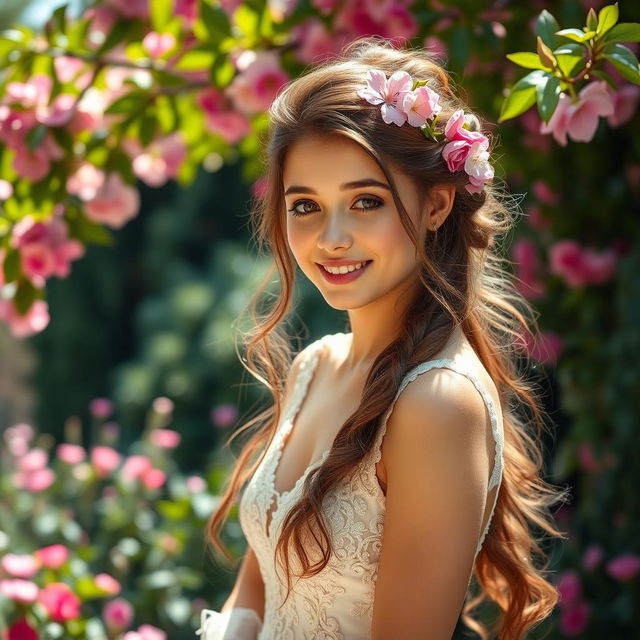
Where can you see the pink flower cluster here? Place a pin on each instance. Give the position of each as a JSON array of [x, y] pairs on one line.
[[45, 249], [400, 103], [579, 266]]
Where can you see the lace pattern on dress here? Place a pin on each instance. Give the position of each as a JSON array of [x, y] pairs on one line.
[[337, 603]]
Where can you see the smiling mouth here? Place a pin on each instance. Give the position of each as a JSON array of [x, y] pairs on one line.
[[341, 278]]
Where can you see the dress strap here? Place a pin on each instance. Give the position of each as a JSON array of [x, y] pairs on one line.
[[496, 422], [309, 359]]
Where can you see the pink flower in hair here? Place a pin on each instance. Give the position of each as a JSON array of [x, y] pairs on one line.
[[420, 105], [390, 93]]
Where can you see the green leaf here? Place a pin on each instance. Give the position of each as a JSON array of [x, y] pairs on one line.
[[623, 32], [132, 101], [607, 17], [148, 126], [603, 75], [222, 71], [59, 19], [161, 12], [36, 136], [246, 19], [592, 20], [12, 266], [216, 22], [526, 59], [522, 95], [577, 35], [546, 28], [547, 96], [174, 510], [118, 33], [24, 297], [195, 60], [624, 60], [89, 231], [568, 64]]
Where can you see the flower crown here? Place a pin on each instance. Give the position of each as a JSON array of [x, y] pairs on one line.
[[404, 100]]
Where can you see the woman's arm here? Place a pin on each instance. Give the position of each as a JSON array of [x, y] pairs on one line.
[[248, 590]]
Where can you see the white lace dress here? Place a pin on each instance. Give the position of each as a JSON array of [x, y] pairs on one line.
[[336, 604]]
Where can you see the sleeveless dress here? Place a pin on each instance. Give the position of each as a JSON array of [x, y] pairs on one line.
[[336, 604]]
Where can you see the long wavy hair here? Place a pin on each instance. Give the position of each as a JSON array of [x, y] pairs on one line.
[[465, 283]]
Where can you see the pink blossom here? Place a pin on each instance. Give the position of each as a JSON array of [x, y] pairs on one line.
[[588, 461], [224, 415], [149, 632], [135, 467], [23, 591], [421, 105], [33, 321], [544, 192], [154, 478], [436, 46], [21, 630], [254, 89], [35, 481], [545, 347], [165, 438], [455, 129], [569, 588], [67, 67], [389, 19], [45, 249], [600, 267], [161, 159], [579, 120], [573, 619], [20, 565], [163, 406], [259, 188], [53, 556], [477, 167], [86, 181], [115, 202], [101, 407], [108, 584], [70, 453], [592, 557], [131, 8], [6, 189], [525, 256], [231, 126], [32, 165], [157, 44], [389, 93], [624, 567], [104, 460], [195, 484], [316, 42], [60, 602], [187, 8], [624, 105], [118, 614], [566, 260], [36, 459]]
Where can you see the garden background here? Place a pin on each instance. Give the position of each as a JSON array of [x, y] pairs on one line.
[[119, 379]]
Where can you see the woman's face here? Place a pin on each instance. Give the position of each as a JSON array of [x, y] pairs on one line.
[[342, 222]]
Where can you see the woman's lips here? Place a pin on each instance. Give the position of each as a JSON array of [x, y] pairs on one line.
[[343, 278]]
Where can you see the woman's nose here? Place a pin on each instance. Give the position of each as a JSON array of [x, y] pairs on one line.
[[334, 234]]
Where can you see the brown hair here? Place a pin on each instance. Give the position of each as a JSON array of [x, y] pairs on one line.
[[465, 284]]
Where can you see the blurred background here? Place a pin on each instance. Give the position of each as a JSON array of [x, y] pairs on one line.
[[140, 345]]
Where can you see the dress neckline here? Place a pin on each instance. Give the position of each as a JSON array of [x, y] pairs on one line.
[[299, 393]]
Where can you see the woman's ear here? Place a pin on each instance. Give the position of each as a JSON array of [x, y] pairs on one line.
[[440, 204]]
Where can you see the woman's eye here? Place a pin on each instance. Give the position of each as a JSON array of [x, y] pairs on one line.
[[374, 204]]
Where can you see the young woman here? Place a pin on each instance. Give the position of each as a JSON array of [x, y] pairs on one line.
[[393, 464]]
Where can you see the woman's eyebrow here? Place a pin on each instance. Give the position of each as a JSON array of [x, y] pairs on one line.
[[355, 184]]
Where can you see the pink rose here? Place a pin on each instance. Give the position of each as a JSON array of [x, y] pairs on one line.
[[624, 567], [118, 614], [104, 460], [53, 556], [579, 120], [60, 602], [70, 453], [420, 105]]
